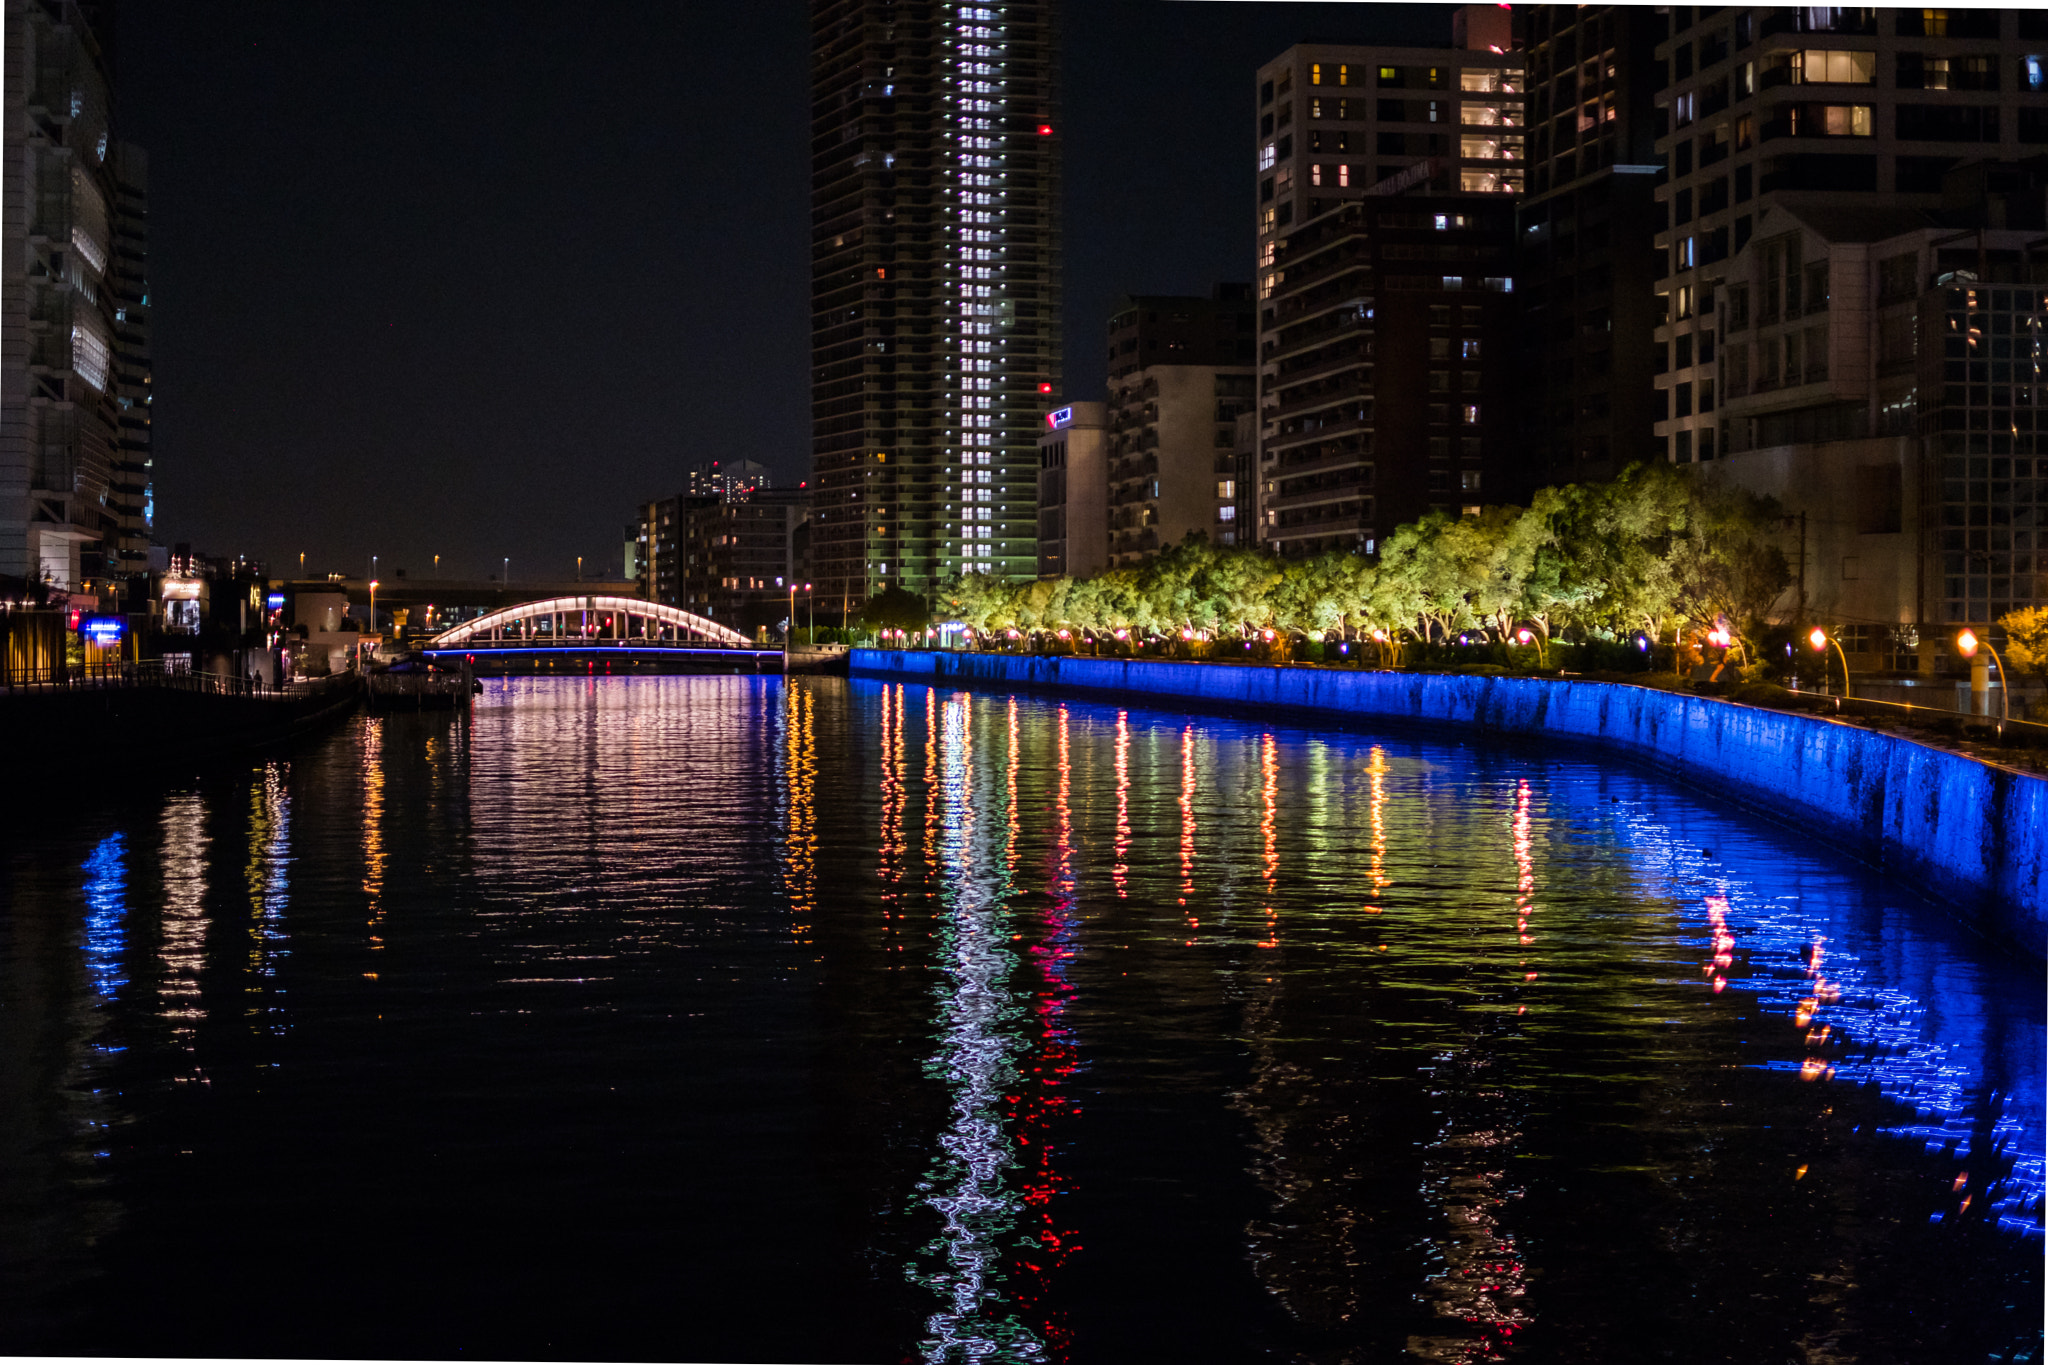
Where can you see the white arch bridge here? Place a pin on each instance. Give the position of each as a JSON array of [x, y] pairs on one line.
[[588, 623]]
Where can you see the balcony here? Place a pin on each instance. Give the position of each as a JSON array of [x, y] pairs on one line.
[[1352, 351], [1328, 395]]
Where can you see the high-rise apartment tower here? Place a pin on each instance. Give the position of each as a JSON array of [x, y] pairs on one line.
[[75, 503], [935, 179]]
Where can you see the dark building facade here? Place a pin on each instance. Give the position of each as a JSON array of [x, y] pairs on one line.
[[935, 288], [75, 472], [729, 559], [1387, 345], [1181, 370], [1817, 108], [1588, 264]]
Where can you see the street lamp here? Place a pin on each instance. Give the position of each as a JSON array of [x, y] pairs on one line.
[[506, 577], [579, 568], [373, 606], [1820, 640], [1966, 645]]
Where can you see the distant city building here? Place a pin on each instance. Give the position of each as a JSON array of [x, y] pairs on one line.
[[728, 479], [1338, 123], [1874, 366], [75, 472], [1388, 343], [731, 560], [1073, 491], [1587, 271], [1385, 190], [1848, 108], [1181, 370], [935, 288]]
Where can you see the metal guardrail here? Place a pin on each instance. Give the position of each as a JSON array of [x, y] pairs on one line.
[[151, 674]]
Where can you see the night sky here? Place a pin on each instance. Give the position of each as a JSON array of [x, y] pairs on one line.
[[476, 279]]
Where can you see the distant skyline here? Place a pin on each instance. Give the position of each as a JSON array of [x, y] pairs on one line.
[[477, 283]]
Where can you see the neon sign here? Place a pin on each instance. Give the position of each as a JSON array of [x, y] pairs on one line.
[[1056, 420], [103, 630]]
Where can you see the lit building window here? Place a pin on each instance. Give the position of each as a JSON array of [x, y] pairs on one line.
[[1829, 66]]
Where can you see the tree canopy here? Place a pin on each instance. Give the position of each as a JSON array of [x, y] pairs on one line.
[[1652, 551]]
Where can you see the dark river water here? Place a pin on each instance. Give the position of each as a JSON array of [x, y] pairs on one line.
[[713, 1019]]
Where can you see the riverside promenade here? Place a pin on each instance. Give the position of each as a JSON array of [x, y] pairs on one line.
[[1972, 834]]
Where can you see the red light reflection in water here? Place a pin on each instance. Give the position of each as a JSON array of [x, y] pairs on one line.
[[1717, 966], [1269, 830], [1485, 1280], [1044, 1098]]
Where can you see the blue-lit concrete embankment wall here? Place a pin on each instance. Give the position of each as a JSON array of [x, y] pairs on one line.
[[1972, 834]]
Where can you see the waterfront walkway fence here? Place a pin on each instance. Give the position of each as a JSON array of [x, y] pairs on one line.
[[154, 674]]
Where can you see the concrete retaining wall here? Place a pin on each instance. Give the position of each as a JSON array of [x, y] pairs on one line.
[[1973, 835]]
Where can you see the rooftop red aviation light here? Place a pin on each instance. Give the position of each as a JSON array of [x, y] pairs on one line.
[[1045, 388], [1045, 130]]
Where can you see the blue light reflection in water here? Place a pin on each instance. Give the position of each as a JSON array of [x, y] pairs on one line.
[[1869, 1023], [106, 907]]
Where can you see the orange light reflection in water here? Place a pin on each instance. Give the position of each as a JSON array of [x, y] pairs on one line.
[[800, 775], [1269, 830], [1120, 870], [1187, 824], [373, 829], [1376, 872]]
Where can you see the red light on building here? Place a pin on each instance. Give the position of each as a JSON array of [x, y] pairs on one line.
[[1045, 388], [1045, 130]]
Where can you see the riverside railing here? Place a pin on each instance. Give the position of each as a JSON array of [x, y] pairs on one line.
[[151, 673]]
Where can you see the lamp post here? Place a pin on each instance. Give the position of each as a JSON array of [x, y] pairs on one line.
[[373, 606], [1966, 645], [506, 577], [579, 568], [1820, 640]]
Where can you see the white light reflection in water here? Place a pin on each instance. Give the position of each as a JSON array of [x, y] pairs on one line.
[[183, 953], [1978, 1097], [980, 1040], [267, 877]]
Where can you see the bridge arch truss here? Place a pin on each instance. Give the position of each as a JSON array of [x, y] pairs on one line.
[[579, 621]]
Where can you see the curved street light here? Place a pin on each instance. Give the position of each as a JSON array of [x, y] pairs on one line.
[[1820, 640], [1966, 645]]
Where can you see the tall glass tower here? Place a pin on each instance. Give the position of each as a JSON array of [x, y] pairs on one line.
[[935, 288]]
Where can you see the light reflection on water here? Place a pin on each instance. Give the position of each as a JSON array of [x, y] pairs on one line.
[[1861, 1022], [1033, 1022]]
